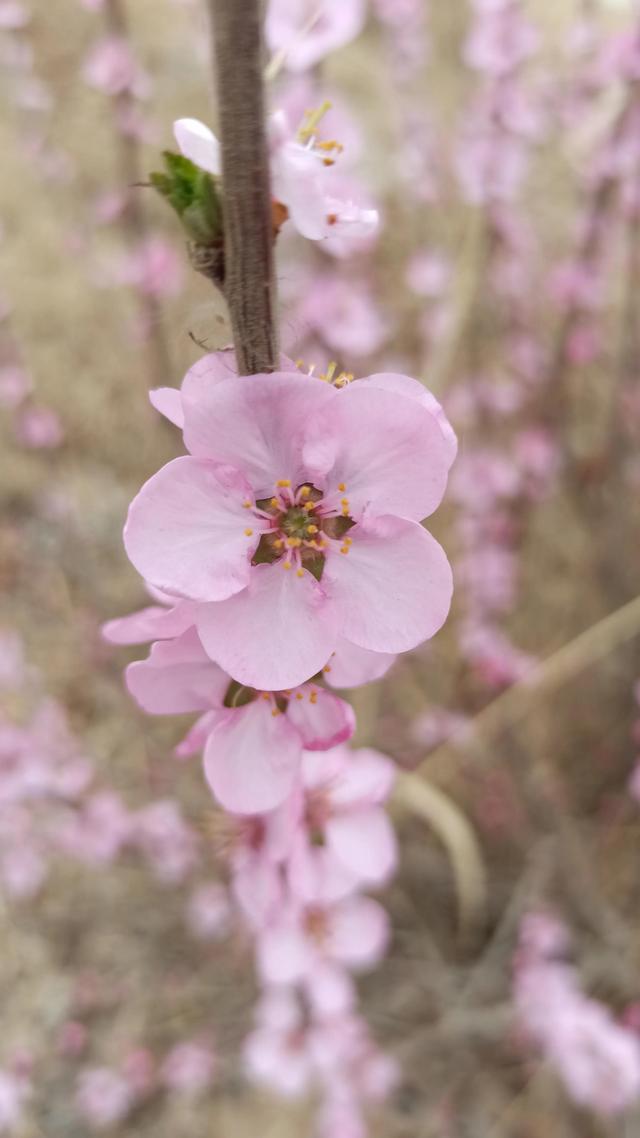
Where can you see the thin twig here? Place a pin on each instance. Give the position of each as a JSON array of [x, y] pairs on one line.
[[514, 704], [249, 279]]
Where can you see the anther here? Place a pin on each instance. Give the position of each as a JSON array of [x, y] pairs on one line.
[[287, 565], [248, 532], [299, 572], [342, 487], [283, 482], [247, 504], [312, 529]]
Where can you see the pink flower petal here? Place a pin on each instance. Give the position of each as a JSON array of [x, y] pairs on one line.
[[251, 759], [322, 719], [198, 143], [185, 532], [390, 452], [177, 677], [351, 666], [412, 389], [284, 955], [393, 589], [258, 424], [151, 623], [168, 401], [364, 841], [366, 778], [359, 933], [273, 635]]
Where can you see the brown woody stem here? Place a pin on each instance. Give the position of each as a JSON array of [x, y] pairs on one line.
[[249, 279]]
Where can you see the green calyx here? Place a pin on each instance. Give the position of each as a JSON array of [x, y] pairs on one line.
[[194, 195]]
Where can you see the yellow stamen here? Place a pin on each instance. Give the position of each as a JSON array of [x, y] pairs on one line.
[[305, 491], [275, 712], [248, 532], [275, 502], [299, 572], [312, 529], [308, 505], [311, 121], [247, 504], [313, 698], [327, 668], [283, 482], [299, 695], [278, 543], [342, 487], [287, 565], [344, 548]]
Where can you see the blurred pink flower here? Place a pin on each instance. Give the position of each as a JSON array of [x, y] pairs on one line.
[[305, 31], [15, 1089], [350, 934], [14, 15], [209, 914], [188, 1068], [103, 1097], [597, 1058], [345, 840], [345, 314], [111, 67], [15, 385], [38, 427], [169, 844]]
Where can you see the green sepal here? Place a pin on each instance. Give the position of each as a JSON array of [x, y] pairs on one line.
[[193, 194]]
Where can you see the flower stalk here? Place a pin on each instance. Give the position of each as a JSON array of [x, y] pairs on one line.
[[248, 226]]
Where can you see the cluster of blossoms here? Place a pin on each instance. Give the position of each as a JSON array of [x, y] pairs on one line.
[[596, 1057], [52, 811], [286, 558]]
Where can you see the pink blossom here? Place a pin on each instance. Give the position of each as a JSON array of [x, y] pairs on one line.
[[98, 831], [305, 31], [253, 740], [349, 934], [288, 472], [103, 1096], [302, 173], [345, 314], [39, 427], [12, 661], [498, 662], [501, 41], [72, 1039], [428, 273], [170, 846], [112, 68], [597, 1058], [15, 385], [14, 15], [277, 1054], [345, 840], [188, 1068], [15, 1089], [209, 912], [154, 268]]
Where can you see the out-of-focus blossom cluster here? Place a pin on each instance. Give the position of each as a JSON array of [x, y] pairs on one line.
[[595, 1055]]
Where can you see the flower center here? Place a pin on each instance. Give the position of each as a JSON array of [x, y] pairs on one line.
[[303, 527]]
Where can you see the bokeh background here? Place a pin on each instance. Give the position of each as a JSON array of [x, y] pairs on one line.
[[506, 276]]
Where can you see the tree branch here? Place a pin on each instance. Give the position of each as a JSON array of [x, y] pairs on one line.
[[249, 280]]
